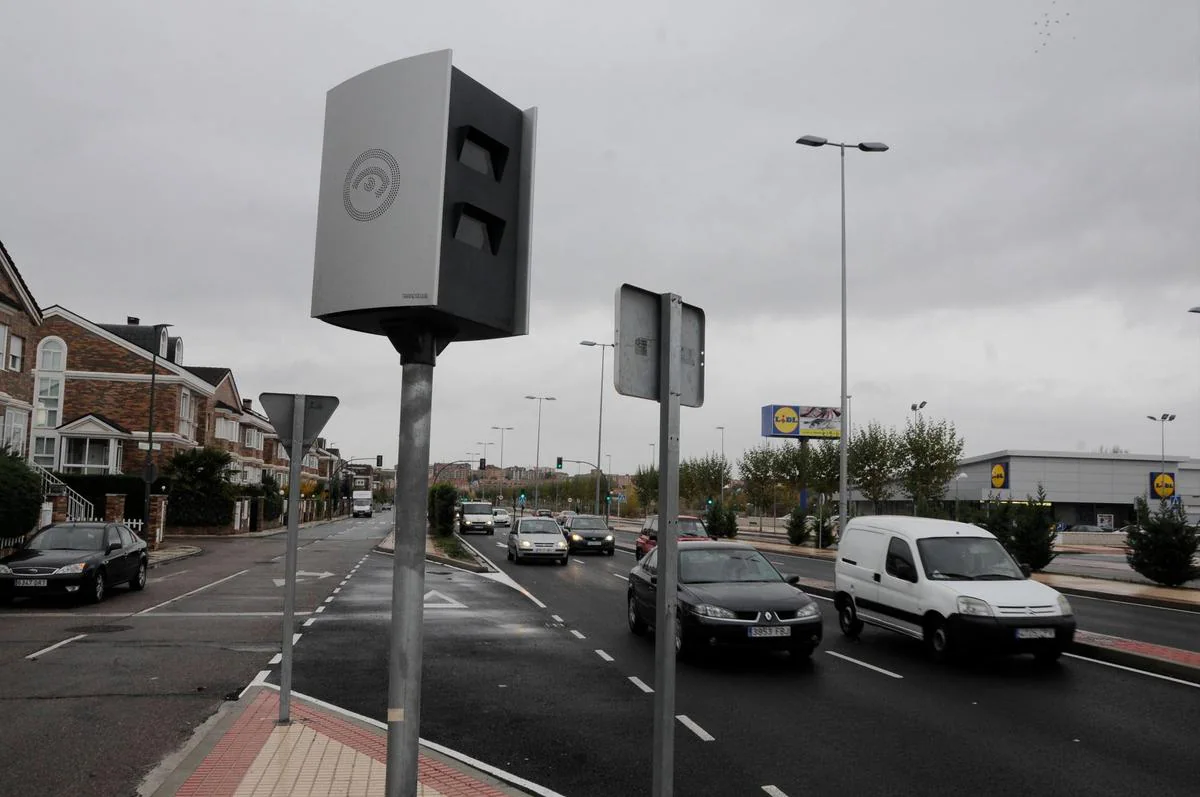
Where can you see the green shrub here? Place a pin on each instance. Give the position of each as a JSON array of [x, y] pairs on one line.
[[1163, 544], [797, 527], [441, 508], [20, 496], [95, 488], [1032, 539], [272, 500], [720, 521], [201, 494]]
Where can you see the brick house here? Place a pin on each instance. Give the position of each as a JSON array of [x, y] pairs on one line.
[[238, 428], [19, 320], [92, 395]]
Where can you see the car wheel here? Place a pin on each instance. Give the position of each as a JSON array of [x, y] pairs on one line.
[[99, 587], [138, 582], [636, 624], [563, 561], [801, 652], [683, 643], [1047, 655], [848, 620], [491, 531], [5, 598], [612, 551], [937, 638], [508, 553]]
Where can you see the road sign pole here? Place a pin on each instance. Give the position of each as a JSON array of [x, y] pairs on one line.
[[668, 545], [408, 566], [289, 566]]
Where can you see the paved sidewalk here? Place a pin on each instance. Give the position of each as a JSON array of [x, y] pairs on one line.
[[322, 752]]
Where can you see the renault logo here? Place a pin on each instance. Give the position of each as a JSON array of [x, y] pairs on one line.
[[769, 616]]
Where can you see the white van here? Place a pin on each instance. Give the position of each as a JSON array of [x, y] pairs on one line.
[[952, 585], [363, 503]]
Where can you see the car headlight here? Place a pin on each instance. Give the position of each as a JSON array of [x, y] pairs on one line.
[[707, 610], [811, 610], [974, 607], [5, 570], [526, 544], [67, 570], [489, 521], [1064, 605], [609, 538], [576, 538], [561, 544]]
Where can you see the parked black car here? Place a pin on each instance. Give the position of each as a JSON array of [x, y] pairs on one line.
[[78, 559], [729, 594]]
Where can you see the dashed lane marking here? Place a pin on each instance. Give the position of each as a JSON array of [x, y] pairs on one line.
[[704, 735], [888, 673], [640, 684]]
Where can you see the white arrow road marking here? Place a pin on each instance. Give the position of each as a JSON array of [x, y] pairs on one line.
[[302, 576], [438, 600]]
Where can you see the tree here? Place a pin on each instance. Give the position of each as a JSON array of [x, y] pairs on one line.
[[645, 484], [875, 458], [1032, 539], [700, 478], [440, 508], [272, 500], [1000, 520], [792, 465], [720, 521], [825, 468], [930, 454], [20, 495], [759, 469], [1163, 544], [797, 527], [201, 494]]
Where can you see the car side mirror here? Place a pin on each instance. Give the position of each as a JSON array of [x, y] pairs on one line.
[[793, 580], [1026, 570], [653, 579], [113, 546]]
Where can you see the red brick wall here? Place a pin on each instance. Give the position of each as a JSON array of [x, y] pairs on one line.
[[89, 352], [17, 384]]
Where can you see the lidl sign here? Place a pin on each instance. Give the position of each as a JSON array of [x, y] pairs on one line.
[[796, 420], [1162, 484]]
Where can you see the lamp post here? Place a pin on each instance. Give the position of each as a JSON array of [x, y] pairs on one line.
[[957, 479], [502, 430], [537, 457], [722, 430], [485, 445], [1162, 422], [865, 146], [149, 472], [600, 422], [652, 455], [916, 408]]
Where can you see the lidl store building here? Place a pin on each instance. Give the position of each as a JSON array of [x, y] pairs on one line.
[[1082, 488]]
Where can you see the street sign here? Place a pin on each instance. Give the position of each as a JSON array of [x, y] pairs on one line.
[[638, 335], [150, 473], [280, 408]]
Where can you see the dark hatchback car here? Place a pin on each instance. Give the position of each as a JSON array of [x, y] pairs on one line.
[[729, 594], [588, 533], [78, 559]]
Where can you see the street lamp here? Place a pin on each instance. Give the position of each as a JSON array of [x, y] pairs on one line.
[[485, 447], [149, 472], [957, 479], [502, 430], [865, 146], [1162, 422], [722, 429], [918, 407], [652, 460], [600, 422], [537, 457]]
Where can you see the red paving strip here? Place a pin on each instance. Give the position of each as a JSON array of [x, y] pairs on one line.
[[1185, 657], [224, 768]]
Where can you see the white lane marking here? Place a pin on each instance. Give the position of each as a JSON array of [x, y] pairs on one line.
[[218, 614], [577, 635], [577, 561], [773, 791], [309, 621], [329, 599], [1133, 669], [320, 609], [278, 657], [336, 590], [623, 578], [259, 680], [704, 735], [501, 545], [819, 597], [864, 664], [556, 618], [640, 684], [55, 646], [296, 638], [164, 578], [193, 592], [1130, 603], [604, 655], [343, 582]]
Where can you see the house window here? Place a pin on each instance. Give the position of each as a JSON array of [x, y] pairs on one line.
[[227, 429], [89, 456], [52, 355], [254, 439], [3, 346], [43, 451], [49, 402], [16, 353], [187, 414], [12, 434]]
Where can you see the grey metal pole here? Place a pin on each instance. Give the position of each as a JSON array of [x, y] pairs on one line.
[[843, 468], [537, 458], [149, 463], [666, 600], [408, 571], [599, 433], [290, 556], [722, 428]]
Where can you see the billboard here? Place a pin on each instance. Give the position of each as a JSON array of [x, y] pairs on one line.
[[797, 420], [1162, 484], [999, 475]]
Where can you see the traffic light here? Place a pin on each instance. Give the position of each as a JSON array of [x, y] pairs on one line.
[[710, 500], [482, 463], [608, 498], [379, 460], [559, 464]]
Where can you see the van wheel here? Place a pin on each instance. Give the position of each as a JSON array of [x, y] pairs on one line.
[[848, 620], [1047, 655], [937, 638]]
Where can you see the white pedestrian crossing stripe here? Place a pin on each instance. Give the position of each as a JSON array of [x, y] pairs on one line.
[[438, 600]]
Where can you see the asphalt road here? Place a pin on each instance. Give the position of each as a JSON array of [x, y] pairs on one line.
[[1160, 626], [549, 693], [142, 670]]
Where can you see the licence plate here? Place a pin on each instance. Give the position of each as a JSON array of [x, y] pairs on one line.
[[593, 542], [31, 582], [770, 630], [1035, 633]]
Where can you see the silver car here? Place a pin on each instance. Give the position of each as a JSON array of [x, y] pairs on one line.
[[536, 538]]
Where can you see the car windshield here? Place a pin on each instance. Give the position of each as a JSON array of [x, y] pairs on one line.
[[690, 527], [588, 523], [499, 511], [69, 538], [724, 565], [539, 526], [477, 509], [966, 559]]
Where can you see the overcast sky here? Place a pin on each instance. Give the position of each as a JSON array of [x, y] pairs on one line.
[[1023, 258]]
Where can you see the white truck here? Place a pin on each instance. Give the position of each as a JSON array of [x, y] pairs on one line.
[[363, 504]]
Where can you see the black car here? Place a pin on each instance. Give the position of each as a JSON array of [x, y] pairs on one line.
[[729, 594], [77, 559], [589, 533]]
